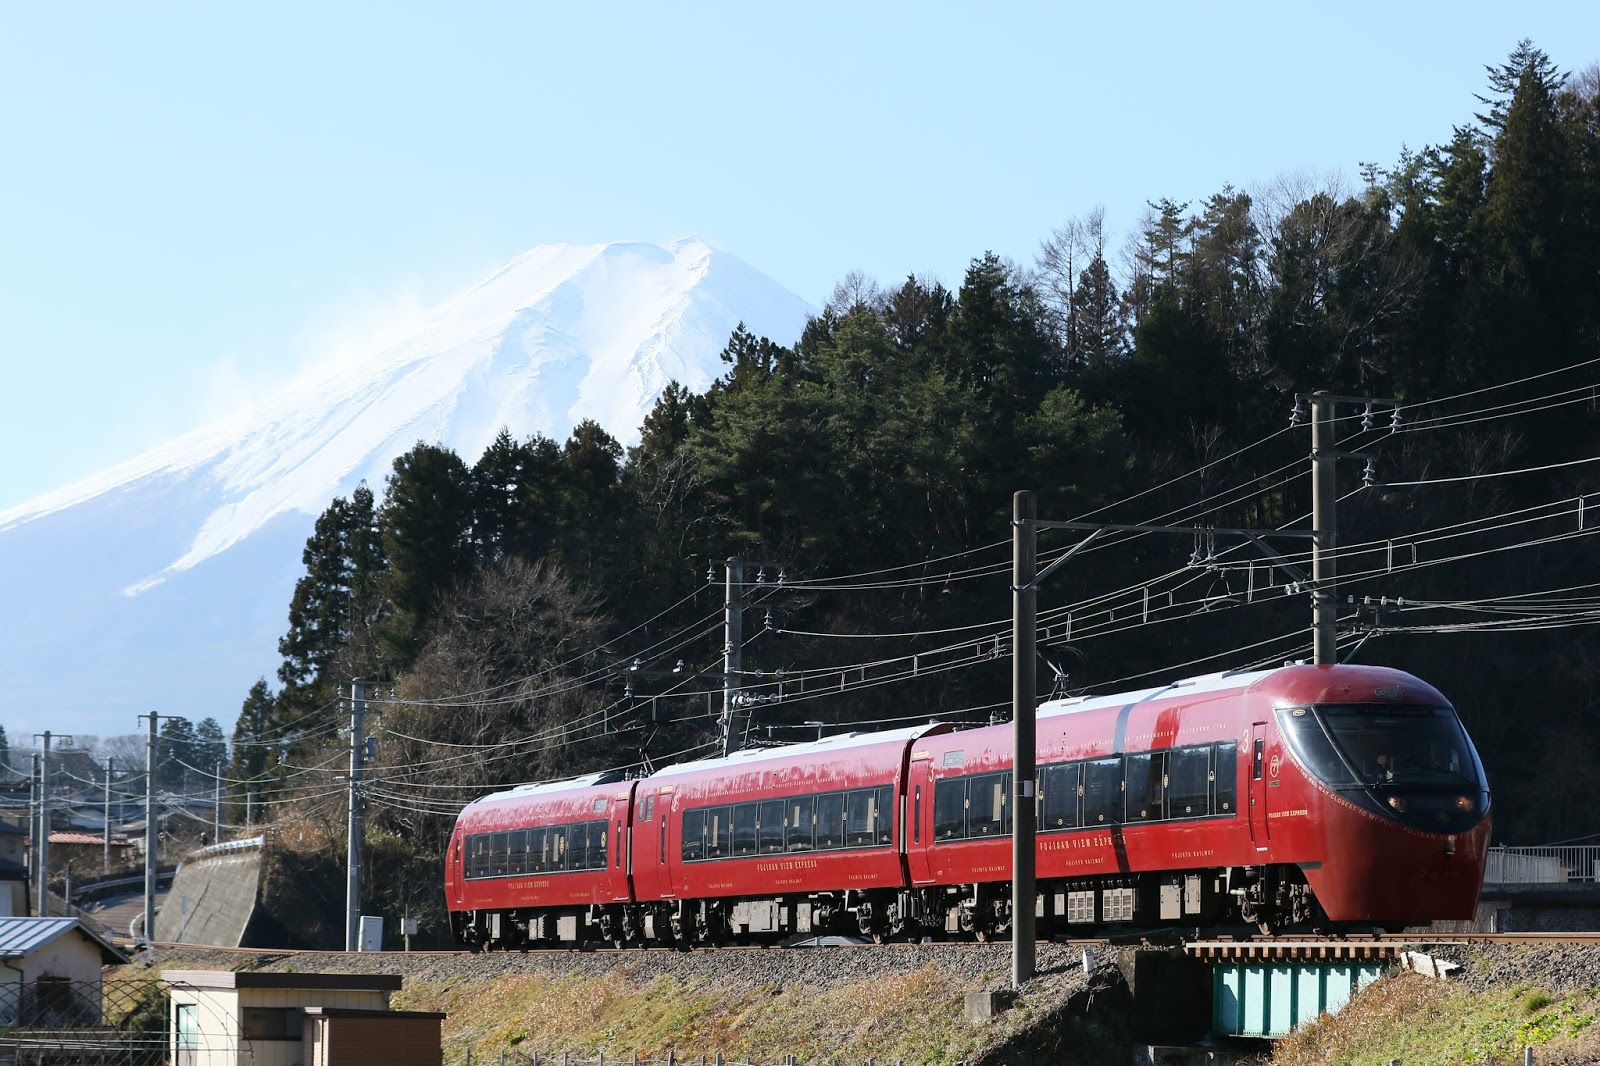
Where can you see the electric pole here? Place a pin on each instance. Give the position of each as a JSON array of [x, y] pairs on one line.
[[1024, 629], [44, 819], [352, 905], [105, 865], [1324, 509], [732, 659], [216, 808], [33, 819], [150, 832], [1324, 527]]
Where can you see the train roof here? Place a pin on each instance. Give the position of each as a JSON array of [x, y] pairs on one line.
[[1225, 681], [1297, 681], [570, 784], [827, 745]]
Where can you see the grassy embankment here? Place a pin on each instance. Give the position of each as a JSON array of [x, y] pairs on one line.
[[1425, 1022], [913, 1017]]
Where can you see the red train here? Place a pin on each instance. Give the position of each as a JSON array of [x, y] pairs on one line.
[[1331, 796]]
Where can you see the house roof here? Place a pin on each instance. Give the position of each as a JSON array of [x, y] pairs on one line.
[[60, 837], [20, 937], [376, 982]]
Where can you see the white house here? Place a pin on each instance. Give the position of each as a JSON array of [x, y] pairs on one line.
[[50, 972], [223, 1018]]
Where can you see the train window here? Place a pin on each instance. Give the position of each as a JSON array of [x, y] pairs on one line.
[[538, 860], [885, 815], [597, 845], [1058, 797], [1256, 759], [916, 816], [801, 828], [1188, 783], [1102, 792], [1145, 775], [556, 849], [649, 808], [477, 856], [1225, 778], [987, 813], [744, 829], [950, 808], [694, 835], [769, 826], [861, 817], [517, 857], [499, 845], [830, 820], [577, 857], [719, 832]]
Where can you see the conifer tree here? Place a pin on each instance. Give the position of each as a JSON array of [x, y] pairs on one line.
[[253, 745]]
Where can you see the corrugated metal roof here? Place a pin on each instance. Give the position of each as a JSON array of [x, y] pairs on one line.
[[23, 936]]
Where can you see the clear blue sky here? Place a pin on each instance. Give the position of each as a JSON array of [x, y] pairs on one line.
[[197, 199]]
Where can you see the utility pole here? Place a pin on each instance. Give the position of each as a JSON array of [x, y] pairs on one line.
[[1026, 578], [33, 819], [44, 819], [732, 659], [249, 810], [216, 808], [1024, 632], [105, 865], [352, 904], [1325, 530], [1324, 509], [150, 834]]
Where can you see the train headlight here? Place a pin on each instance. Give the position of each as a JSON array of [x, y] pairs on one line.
[[1464, 803], [1398, 803]]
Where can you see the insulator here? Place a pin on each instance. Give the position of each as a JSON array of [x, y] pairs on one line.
[[1395, 420], [783, 575], [767, 625], [1298, 415], [678, 669], [1366, 418], [711, 572], [636, 664], [761, 576], [1369, 476]]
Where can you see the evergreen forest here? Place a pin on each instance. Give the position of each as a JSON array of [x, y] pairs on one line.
[[551, 608]]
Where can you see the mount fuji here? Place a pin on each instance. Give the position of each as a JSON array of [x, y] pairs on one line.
[[163, 583]]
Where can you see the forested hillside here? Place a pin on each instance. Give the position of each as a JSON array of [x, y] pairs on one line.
[[545, 608]]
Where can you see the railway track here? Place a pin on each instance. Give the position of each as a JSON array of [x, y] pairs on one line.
[[1348, 945]]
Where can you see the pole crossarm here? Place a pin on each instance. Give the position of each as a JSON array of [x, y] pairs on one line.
[[1097, 528]]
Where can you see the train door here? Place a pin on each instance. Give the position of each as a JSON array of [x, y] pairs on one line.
[[457, 876], [914, 834], [1256, 771], [667, 862]]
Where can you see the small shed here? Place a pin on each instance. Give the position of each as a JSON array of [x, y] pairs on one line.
[[338, 1037], [50, 972], [223, 1018]]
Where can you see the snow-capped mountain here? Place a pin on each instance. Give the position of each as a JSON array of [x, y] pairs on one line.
[[163, 583]]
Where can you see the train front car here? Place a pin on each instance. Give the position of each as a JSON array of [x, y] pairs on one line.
[[770, 843], [1377, 795], [541, 865], [1298, 797]]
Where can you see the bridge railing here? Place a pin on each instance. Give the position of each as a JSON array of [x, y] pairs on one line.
[[1553, 864]]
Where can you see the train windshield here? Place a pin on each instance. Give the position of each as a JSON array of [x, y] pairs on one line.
[[1402, 746], [1415, 763]]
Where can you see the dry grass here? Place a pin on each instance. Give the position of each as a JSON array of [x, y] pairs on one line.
[[1422, 1021]]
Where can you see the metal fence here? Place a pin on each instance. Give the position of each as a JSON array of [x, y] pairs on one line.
[[118, 1022], [1555, 864]]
